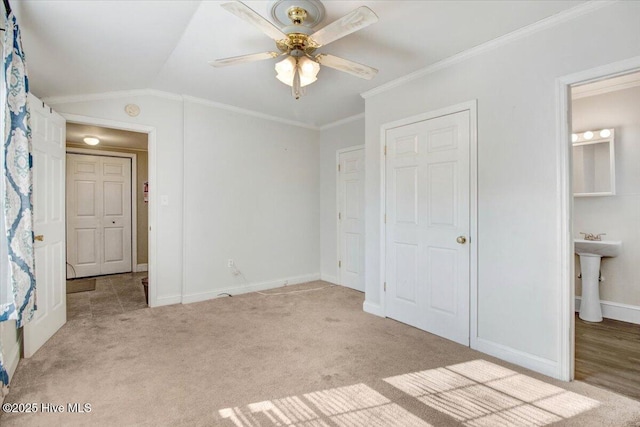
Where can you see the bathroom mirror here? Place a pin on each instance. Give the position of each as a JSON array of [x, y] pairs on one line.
[[594, 172]]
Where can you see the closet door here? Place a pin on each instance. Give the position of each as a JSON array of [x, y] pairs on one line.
[[98, 215]]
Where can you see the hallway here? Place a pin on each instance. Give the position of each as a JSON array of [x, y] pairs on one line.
[[114, 294]]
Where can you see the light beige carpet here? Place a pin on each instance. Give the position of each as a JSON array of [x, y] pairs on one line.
[[288, 358]]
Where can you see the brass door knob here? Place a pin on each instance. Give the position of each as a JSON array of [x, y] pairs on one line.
[[462, 240], [39, 238]]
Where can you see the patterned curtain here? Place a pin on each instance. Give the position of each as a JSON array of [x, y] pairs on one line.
[[19, 301]]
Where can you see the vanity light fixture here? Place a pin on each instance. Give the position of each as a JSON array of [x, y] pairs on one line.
[[91, 140], [591, 136], [605, 133]]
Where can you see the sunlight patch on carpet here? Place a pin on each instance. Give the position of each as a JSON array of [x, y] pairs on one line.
[[351, 406], [480, 393]]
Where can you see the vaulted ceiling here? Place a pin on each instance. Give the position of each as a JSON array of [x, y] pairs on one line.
[[94, 46]]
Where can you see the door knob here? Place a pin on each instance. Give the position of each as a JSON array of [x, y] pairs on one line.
[[462, 240], [39, 238]]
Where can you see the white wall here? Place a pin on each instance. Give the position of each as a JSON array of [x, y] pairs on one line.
[[519, 238], [331, 140], [166, 116], [239, 187], [619, 215], [251, 195]]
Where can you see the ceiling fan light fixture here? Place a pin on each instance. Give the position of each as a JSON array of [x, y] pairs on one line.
[[306, 68]]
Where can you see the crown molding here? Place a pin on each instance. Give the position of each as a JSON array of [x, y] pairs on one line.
[[551, 21], [342, 121], [244, 111], [56, 100]]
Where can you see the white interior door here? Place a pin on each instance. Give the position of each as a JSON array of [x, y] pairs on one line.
[[351, 219], [98, 215], [427, 226], [48, 132]]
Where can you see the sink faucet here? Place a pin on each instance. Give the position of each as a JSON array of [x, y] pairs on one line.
[[591, 236]]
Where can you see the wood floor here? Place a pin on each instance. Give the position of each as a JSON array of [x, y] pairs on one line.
[[608, 355]]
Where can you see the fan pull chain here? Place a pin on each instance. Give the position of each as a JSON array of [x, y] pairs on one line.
[[296, 90]]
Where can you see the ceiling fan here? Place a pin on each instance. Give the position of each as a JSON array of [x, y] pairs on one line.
[[297, 42]]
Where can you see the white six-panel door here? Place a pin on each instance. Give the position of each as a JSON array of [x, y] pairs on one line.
[[351, 219], [427, 225], [98, 215], [48, 142]]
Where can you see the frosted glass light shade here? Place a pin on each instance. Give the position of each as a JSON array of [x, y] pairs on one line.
[[90, 140], [307, 69]]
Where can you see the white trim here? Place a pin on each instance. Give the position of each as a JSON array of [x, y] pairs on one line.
[[338, 229], [371, 308], [55, 100], [566, 302], [80, 146], [153, 205], [616, 311], [605, 88], [342, 121], [161, 301], [254, 287], [521, 358], [142, 267], [330, 279], [472, 107], [134, 191], [12, 358], [541, 25], [244, 111]]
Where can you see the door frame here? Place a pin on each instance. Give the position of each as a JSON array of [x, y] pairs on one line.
[[566, 302], [134, 193], [152, 178], [472, 107], [338, 222]]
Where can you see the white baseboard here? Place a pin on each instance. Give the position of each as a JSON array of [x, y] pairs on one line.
[[142, 267], [371, 308], [330, 279], [616, 311], [174, 299], [254, 287], [13, 358], [526, 360]]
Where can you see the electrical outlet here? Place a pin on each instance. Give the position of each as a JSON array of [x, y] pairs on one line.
[[230, 263]]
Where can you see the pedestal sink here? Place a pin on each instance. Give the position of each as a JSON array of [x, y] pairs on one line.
[[591, 253]]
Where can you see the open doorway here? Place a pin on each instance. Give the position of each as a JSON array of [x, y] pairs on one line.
[[604, 176], [107, 220]]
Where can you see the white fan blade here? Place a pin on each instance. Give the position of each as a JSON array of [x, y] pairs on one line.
[[245, 13], [244, 58], [351, 22], [341, 64]]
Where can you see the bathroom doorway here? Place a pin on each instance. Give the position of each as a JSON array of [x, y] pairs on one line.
[[604, 124]]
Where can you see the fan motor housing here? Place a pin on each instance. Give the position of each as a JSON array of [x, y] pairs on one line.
[[297, 16], [297, 44]]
